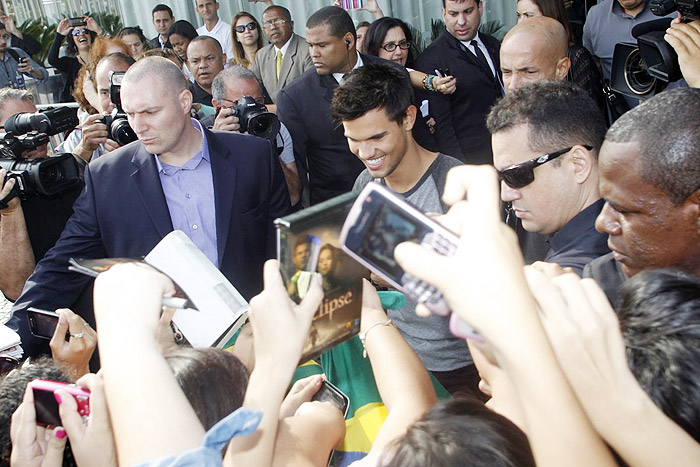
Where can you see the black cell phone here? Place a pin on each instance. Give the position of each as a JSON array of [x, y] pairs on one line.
[[75, 22], [42, 323], [330, 393], [442, 72]]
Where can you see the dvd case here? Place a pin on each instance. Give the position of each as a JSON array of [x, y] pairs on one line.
[[307, 242]]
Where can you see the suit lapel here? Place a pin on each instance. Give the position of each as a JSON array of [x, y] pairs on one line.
[[288, 61], [147, 185], [224, 177], [329, 84]]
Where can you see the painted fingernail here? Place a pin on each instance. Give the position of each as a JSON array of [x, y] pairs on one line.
[[57, 397], [60, 433]]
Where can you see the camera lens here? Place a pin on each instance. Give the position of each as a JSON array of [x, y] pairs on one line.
[[121, 132], [636, 75], [264, 125]]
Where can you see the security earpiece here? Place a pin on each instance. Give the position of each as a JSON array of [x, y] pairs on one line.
[[347, 42]]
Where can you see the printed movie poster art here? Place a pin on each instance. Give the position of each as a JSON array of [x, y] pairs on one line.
[[317, 250]]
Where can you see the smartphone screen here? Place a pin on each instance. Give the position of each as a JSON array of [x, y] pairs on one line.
[[45, 402], [330, 393], [42, 323]]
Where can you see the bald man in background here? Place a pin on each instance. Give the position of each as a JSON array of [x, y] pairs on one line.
[[533, 51]]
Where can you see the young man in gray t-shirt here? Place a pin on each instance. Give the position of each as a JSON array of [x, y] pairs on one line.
[[374, 104]]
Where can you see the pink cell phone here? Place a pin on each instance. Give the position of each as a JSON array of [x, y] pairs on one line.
[[45, 401]]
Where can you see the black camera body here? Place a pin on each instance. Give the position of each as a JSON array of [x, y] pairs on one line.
[[255, 119], [118, 128], [642, 69], [44, 176]]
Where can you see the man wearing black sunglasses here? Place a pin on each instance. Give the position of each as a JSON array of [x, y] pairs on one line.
[[286, 57], [545, 144]]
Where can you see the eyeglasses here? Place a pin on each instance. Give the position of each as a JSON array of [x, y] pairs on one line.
[[277, 23], [250, 26], [258, 100], [520, 175], [77, 32], [391, 46]]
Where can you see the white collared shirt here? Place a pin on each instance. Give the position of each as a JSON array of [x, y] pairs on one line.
[[484, 50], [339, 76], [284, 47]]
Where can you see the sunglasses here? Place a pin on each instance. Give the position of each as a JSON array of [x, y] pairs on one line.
[[77, 32], [250, 26], [391, 46], [520, 175]]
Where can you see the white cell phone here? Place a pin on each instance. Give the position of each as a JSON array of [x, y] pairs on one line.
[[377, 222]]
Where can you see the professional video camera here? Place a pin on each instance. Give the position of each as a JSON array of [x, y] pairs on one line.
[[43, 176], [118, 128], [641, 70], [255, 119]]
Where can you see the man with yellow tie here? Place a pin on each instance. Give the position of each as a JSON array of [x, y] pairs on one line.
[[286, 57]]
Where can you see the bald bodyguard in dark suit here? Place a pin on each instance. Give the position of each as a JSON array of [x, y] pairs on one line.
[[137, 195]]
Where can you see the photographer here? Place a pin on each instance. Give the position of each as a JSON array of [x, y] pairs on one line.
[[685, 40], [92, 139], [25, 234], [15, 63], [229, 86]]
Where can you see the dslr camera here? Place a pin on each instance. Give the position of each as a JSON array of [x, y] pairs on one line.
[[642, 69], [43, 176], [118, 128], [255, 119]]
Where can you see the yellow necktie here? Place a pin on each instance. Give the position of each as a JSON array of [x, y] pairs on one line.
[[279, 63]]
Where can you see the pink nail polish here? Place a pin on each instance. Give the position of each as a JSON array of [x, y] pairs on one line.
[[57, 397], [60, 433]]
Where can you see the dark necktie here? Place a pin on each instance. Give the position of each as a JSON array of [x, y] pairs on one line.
[[481, 58]]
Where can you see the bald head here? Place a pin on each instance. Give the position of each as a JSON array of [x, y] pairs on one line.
[[534, 50], [160, 67]]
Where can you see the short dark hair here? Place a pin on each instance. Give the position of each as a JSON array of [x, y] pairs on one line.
[[213, 380], [666, 129], [377, 32], [660, 320], [213, 40], [338, 20], [284, 11], [559, 114], [460, 1], [463, 432], [162, 7], [183, 28], [12, 391], [372, 86]]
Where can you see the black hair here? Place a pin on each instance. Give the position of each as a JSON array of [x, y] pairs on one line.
[[161, 7], [213, 40], [462, 432], [12, 392], [71, 48], [666, 130], [213, 380], [378, 31], [183, 28], [338, 20], [372, 86], [660, 320], [284, 11], [559, 114], [460, 1]]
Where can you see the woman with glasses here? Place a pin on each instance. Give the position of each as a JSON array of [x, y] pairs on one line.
[[135, 40], [80, 39], [247, 39], [390, 39]]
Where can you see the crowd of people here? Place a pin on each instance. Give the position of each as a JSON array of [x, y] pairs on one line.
[[577, 267]]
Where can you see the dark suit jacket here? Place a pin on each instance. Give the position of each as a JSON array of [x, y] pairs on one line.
[[461, 117], [156, 43], [320, 147], [294, 63], [122, 212]]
